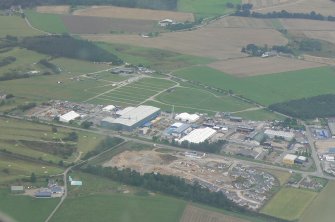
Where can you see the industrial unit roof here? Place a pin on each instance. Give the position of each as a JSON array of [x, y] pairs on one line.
[[198, 135]]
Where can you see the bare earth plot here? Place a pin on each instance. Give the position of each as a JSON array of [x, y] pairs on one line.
[[94, 25], [214, 41], [55, 9], [196, 214], [132, 13], [253, 66], [325, 7]]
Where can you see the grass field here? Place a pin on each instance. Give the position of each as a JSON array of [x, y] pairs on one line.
[[47, 22], [116, 202], [26, 209], [207, 8], [322, 208], [15, 26], [198, 99], [289, 203], [260, 115], [161, 60], [268, 89]]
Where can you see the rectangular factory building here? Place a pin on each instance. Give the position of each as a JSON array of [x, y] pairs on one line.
[[273, 133], [133, 118], [289, 159], [67, 117], [198, 135]]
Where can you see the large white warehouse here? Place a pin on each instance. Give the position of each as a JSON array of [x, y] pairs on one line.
[[67, 117], [198, 135], [186, 117], [273, 133]]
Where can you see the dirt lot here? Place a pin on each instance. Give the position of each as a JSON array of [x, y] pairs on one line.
[[323, 146], [196, 214], [94, 25], [133, 13], [59, 9], [325, 7], [252, 66], [213, 41]]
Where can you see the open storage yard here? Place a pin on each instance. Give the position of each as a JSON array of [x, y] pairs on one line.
[[134, 13]]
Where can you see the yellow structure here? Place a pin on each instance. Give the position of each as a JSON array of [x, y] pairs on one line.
[[289, 159]]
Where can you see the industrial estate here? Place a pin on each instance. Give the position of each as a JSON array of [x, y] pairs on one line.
[[171, 111]]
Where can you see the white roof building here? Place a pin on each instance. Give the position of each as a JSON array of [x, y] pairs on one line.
[[274, 133], [198, 135], [186, 117], [67, 117], [124, 111], [108, 108]]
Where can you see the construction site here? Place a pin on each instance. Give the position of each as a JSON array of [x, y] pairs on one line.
[[244, 185]]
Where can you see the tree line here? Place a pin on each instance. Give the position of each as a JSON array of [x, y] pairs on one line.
[[102, 146], [284, 14], [308, 108], [174, 186], [149, 4], [7, 60], [67, 46]]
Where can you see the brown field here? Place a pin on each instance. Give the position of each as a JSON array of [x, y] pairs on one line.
[[252, 66], [134, 13], [321, 60], [322, 35], [257, 4], [213, 41], [322, 146], [59, 9], [307, 25], [325, 7], [243, 22], [96, 25], [196, 214]]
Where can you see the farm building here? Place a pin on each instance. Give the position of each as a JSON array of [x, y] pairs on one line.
[[109, 108], [300, 160], [67, 117], [76, 183], [186, 117], [289, 159], [198, 135], [273, 133], [43, 194], [133, 118], [17, 189], [235, 119], [166, 22], [122, 70]]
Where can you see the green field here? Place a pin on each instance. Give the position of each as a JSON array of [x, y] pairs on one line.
[[46, 22], [161, 60], [100, 199], [289, 203], [322, 208], [207, 8], [15, 26], [267, 89], [201, 100], [259, 115], [26, 209]]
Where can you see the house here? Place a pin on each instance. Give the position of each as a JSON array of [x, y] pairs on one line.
[[17, 189], [166, 22]]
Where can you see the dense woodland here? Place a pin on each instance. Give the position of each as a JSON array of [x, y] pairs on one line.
[[67, 46], [172, 185], [150, 4], [308, 108]]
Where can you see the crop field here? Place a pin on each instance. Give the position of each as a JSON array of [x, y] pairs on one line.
[[15, 26], [289, 203], [325, 7], [136, 92], [322, 208], [322, 35], [100, 25], [32, 139], [196, 214], [52, 23], [264, 3], [202, 100], [55, 9], [24, 208], [245, 22], [213, 41], [207, 8], [307, 25], [267, 89], [254, 66], [161, 60], [133, 13]]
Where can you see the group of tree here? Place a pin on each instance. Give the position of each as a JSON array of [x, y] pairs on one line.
[[150, 4], [67, 46], [7, 60], [105, 144], [284, 14], [291, 123], [310, 45], [52, 67], [255, 50], [174, 186], [308, 108]]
